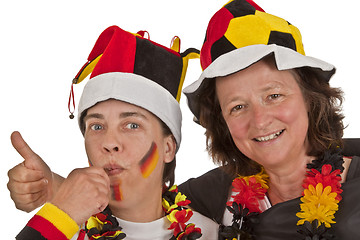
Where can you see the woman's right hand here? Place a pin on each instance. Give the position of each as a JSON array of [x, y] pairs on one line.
[[83, 193]]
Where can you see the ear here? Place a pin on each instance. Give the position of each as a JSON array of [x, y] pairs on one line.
[[170, 148]]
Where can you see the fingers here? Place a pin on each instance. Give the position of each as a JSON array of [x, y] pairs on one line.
[[22, 174], [28, 188], [24, 188], [21, 146], [28, 202], [100, 172], [83, 193]]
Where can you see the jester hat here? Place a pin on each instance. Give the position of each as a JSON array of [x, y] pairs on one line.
[[131, 68], [241, 34]]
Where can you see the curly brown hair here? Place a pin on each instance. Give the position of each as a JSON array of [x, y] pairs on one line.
[[324, 112]]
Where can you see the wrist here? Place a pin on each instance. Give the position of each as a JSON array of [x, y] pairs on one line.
[[59, 219], [57, 180]]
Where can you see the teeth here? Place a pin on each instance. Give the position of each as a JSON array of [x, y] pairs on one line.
[[270, 137]]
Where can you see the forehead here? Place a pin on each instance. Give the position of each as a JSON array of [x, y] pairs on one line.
[[261, 76], [118, 108], [116, 105]]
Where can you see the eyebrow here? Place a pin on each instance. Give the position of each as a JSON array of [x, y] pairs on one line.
[[122, 115], [132, 114], [93, 115], [266, 88], [272, 86]]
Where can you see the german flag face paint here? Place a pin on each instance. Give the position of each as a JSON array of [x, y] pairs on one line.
[[116, 192], [149, 161]]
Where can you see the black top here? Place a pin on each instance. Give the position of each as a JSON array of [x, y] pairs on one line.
[[210, 192]]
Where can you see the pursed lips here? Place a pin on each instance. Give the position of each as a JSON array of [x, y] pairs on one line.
[[113, 169]]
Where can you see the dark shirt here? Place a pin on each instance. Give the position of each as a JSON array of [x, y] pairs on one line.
[[210, 192]]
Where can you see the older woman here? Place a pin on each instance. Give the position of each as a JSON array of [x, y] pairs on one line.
[[274, 124]]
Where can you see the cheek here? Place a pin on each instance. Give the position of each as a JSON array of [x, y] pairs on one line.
[[90, 152], [296, 118], [296, 111], [238, 128], [149, 162]]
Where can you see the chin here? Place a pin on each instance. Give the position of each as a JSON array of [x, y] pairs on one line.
[[114, 204]]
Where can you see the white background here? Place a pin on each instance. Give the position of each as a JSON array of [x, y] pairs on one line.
[[43, 44]]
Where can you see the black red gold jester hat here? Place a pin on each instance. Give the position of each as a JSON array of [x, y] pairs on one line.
[[131, 68]]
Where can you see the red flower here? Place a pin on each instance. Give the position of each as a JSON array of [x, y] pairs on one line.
[[181, 218], [190, 228], [102, 217], [184, 203], [326, 177], [250, 192]]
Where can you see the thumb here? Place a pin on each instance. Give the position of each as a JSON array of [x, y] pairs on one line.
[[31, 159]]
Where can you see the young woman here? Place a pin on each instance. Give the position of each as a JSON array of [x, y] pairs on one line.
[[131, 122]]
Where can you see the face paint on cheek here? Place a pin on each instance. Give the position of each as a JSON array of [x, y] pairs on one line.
[[116, 192], [149, 161]]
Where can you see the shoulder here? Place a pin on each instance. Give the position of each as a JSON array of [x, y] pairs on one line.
[[216, 177], [352, 166], [208, 193], [351, 147], [205, 185], [347, 218]]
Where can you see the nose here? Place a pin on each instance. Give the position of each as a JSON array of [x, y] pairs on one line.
[[111, 149], [261, 117], [111, 143]]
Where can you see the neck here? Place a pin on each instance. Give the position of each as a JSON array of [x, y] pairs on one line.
[[145, 210], [286, 181]]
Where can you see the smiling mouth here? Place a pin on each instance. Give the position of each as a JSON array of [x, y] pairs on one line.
[[269, 137]]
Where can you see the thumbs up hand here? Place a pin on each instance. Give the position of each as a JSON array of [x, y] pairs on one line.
[[30, 182]]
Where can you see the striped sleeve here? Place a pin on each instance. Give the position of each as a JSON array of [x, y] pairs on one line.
[[50, 223]]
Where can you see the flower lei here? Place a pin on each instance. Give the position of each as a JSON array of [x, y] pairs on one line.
[[245, 205], [104, 226], [321, 196], [320, 200], [178, 215]]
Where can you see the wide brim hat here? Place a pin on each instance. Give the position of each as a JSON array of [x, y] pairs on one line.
[[241, 34], [131, 68]]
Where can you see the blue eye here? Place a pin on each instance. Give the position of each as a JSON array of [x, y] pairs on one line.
[[96, 127], [132, 126]]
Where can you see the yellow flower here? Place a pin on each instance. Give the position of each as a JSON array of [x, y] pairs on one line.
[[94, 222], [318, 203], [261, 178], [171, 216], [179, 198], [165, 204], [173, 188]]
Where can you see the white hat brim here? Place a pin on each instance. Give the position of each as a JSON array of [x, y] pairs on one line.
[[137, 90], [244, 57]]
